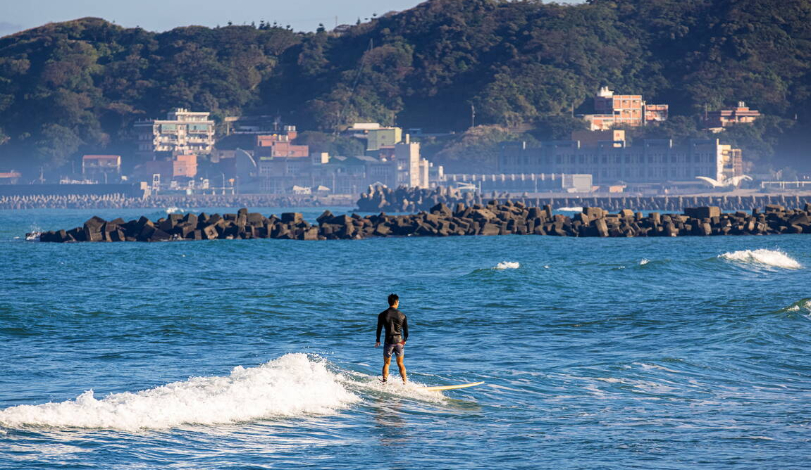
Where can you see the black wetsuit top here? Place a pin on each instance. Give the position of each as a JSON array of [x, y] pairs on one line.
[[396, 325]]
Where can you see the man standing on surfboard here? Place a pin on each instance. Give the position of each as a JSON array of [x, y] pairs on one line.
[[396, 325]]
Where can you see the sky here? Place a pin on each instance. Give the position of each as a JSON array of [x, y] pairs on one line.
[[163, 15]]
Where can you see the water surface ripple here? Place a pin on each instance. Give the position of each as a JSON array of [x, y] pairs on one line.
[[597, 353]]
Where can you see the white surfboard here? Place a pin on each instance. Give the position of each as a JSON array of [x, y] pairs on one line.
[[451, 387]]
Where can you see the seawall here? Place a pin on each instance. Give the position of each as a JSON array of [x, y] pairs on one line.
[[415, 199], [441, 221], [121, 201]]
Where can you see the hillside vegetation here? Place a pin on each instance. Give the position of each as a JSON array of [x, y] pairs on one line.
[[76, 87]]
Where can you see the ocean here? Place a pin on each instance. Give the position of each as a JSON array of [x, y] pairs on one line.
[[676, 353]]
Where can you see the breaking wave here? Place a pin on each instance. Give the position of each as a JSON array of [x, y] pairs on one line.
[[292, 385], [763, 257], [508, 265], [802, 305]]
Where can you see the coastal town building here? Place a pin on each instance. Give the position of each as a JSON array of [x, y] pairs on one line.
[[162, 172], [280, 145], [400, 164], [520, 183], [251, 125], [611, 161], [101, 168], [184, 166], [612, 110], [615, 137], [10, 177], [182, 132], [391, 160], [741, 114], [375, 135]]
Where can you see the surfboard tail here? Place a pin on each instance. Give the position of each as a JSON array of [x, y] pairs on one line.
[[451, 387]]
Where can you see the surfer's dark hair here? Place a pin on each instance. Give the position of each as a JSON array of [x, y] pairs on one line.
[[393, 298]]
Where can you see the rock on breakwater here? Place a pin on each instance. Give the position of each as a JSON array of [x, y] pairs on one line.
[[441, 221]]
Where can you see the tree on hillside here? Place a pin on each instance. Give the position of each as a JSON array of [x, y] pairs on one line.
[[520, 64]]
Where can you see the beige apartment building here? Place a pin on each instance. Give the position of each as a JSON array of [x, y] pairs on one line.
[[182, 132]]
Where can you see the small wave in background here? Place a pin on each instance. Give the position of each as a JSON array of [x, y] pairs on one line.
[[762, 257], [643, 262], [174, 210], [508, 265], [292, 385], [570, 209], [800, 306]]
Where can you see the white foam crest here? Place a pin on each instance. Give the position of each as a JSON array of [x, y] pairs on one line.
[[292, 385], [174, 210], [643, 262], [571, 209], [508, 265], [801, 305], [773, 258]]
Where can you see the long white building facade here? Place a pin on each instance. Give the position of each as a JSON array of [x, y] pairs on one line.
[[611, 162]]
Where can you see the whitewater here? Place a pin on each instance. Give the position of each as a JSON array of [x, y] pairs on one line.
[[292, 385], [676, 353], [763, 257]]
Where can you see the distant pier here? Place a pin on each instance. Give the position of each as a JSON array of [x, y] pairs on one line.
[[416, 199]]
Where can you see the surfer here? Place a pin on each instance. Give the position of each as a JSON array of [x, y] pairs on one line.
[[396, 325]]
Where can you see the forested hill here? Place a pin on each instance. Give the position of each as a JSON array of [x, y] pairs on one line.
[[76, 87]]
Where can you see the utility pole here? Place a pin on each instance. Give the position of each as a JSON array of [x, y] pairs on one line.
[[472, 116]]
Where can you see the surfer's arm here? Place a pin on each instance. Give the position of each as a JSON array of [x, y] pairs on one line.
[[405, 329], [379, 329]]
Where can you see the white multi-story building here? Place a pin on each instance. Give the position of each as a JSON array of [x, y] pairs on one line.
[[182, 132], [412, 169]]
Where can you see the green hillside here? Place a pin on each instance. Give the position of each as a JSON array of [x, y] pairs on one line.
[[76, 87]]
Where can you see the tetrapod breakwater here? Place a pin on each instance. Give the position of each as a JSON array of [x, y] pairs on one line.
[[491, 219]]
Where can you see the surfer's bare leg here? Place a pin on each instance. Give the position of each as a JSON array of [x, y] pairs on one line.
[[386, 364], [401, 365]]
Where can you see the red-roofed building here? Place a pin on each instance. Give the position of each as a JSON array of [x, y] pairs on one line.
[[280, 145]]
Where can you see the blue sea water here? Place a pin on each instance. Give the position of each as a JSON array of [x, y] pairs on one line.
[[597, 353]]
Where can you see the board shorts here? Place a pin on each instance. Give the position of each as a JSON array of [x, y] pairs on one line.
[[393, 348]]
